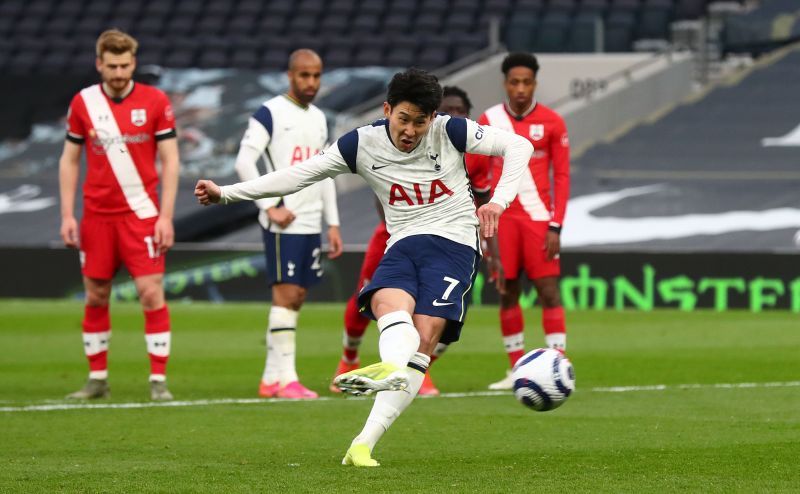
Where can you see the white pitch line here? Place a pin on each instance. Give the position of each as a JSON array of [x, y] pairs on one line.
[[50, 406]]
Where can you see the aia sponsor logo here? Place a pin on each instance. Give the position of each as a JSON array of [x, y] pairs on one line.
[[302, 153], [419, 195]]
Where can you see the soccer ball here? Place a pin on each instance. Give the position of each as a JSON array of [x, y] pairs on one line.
[[543, 379]]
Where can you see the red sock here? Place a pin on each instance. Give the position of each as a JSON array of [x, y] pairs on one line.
[[158, 336], [553, 320], [96, 334], [512, 326], [555, 330], [354, 327]]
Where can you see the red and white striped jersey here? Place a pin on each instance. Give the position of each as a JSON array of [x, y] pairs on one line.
[[545, 129], [121, 137]]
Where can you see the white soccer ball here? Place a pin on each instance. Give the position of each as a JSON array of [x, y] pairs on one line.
[[543, 379]]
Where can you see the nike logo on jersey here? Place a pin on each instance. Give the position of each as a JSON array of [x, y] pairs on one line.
[[437, 303], [376, 167]]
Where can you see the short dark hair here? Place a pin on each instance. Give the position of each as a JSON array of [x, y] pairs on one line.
[[415, 86], [520, 60], [458, 92]]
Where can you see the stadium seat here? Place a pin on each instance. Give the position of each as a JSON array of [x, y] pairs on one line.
[[302, 24], [39, 8], [581, 38], [274, 58], [500, 8], [310, 41], [59, 26], [249, 7], [157, 10], [210, 59], [241, 24], [400, 56], [244, 59], [128, 9], [149, 26], [23, 62], [179, 26], [592, 7], [521, 31], [209, 25], [180, 59], [11, 9], [279, 7], [690, 9], [367, 56], [432, 57], [219, 8], [465, 44], [28, 27], [619, 31], [654, 19], [459, 22], [552, 33], [428, 21], [333, 24], [336, 58], [364, 23], [630, 6], [342, 7], [396, 23], [310, 8], [373, 7], [271, 25], [527, 7], [470, 6], [185, 8], [564, 7], [432, 6]]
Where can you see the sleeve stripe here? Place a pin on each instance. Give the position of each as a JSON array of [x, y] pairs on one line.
[[348, 147], [169, 134], [74, 138], [165, 131], [264, 117], [457, 132]]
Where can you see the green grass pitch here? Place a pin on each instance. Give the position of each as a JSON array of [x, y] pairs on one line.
[[706, 438]]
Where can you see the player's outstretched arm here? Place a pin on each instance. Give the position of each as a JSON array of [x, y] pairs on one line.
[[282, 182], [207, 192]]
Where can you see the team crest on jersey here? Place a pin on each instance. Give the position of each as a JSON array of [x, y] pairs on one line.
[[536, 131], [139, 117]]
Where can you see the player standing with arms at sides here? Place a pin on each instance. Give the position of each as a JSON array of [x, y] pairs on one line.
[[123, 125], [529, 233], [414, 162], [285, 131], [455, 103]]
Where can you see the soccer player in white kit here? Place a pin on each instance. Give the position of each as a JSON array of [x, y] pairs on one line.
[[413, 160], [285, 131]]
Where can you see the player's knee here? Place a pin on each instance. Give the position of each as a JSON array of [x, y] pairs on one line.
[[98, 295], [550, 296], [511, 297], [151, 296]]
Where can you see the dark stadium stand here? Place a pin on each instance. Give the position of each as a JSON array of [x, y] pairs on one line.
[[712, 157], [31, 31]]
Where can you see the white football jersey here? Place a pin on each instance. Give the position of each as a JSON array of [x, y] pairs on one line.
[[425, 191], [283, 134]]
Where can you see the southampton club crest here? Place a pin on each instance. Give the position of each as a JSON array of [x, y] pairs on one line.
[[536, 131], [139, 117]]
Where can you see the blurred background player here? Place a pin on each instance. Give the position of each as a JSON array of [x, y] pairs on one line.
[[286, 131], [456, 103], [529, 232], [123, 125]]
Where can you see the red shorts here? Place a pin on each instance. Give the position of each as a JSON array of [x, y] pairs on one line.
[[522, 247], [108, 241], [373, 255]]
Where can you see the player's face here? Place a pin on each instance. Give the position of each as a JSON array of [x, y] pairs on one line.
[[408, 124], [520, 84], [305, 78], [116, 70], [454, 106]]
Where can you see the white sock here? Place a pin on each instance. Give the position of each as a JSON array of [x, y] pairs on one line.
[[556, 340], [280, 364], [399, 339], [390, 404]]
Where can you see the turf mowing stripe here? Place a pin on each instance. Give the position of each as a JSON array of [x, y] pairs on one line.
[[49, 407]]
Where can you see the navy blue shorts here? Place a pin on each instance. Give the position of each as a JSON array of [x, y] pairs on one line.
[[437, 272], [293, 258]]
